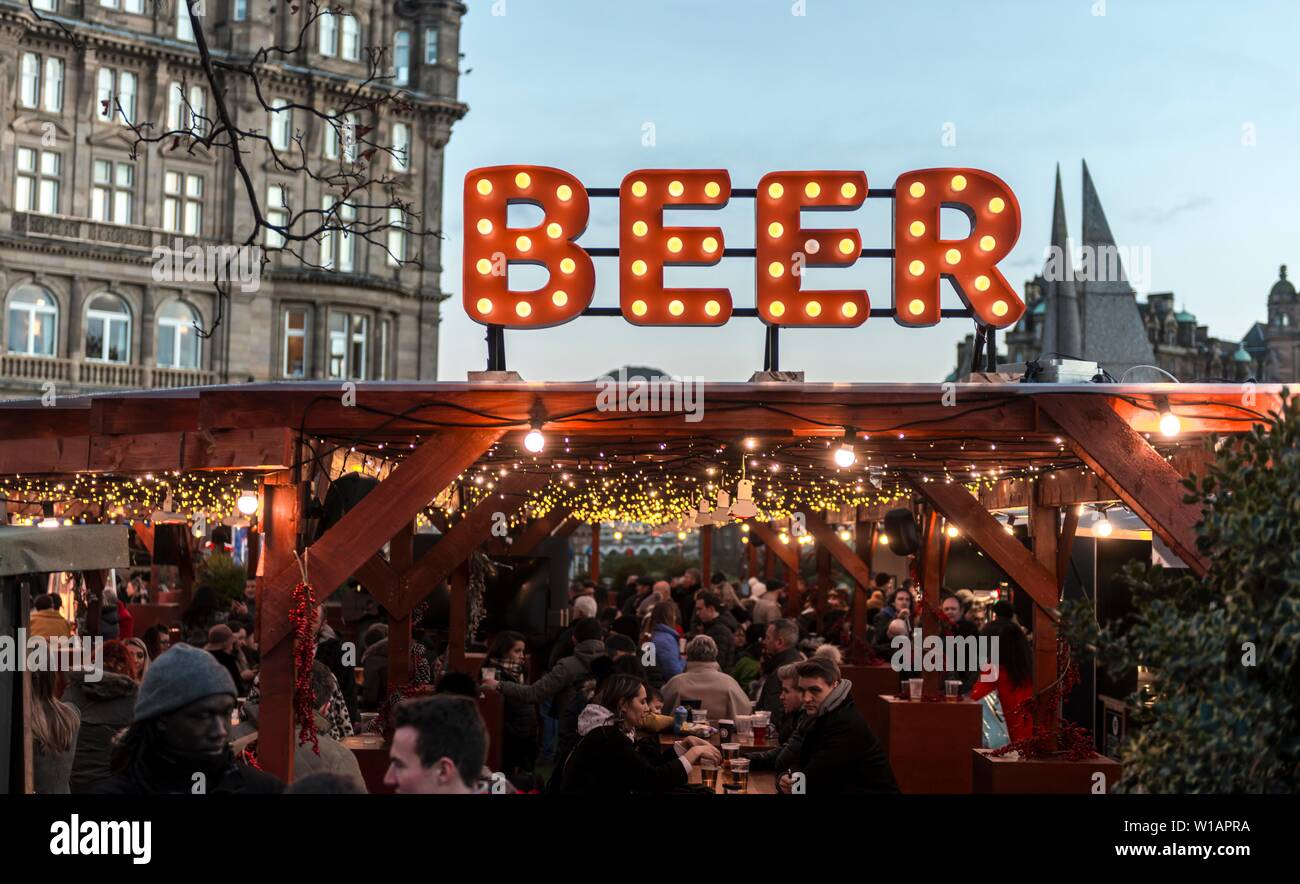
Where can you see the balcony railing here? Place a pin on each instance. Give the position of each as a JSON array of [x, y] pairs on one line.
[[94, 375]]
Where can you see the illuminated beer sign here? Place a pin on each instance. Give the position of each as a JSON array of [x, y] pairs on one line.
[[783, 247]]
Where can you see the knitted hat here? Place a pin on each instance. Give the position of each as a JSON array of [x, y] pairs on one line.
[[180, 675]]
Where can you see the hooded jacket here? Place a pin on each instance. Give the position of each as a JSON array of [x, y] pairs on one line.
[[705, 681], [561, 683], [48, 624], [668, 651], [106, 707], [108, 622], [838, 754], [607, 761]]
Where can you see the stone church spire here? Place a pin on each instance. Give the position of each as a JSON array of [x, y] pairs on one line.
[[1062, 332]]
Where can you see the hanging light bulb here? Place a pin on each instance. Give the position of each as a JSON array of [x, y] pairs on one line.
[[952, 530], [845, 456], [722, 514], [884, 539], [247, 503], [744, 507], [1102, 526], [845, 535], [1170, 425]]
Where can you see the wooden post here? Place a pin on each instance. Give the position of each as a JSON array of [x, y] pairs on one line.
[[751, 558], [185, 570], [458, 586], [769, 564], [275, 741], [94, 589], [1042, 531], [823, 580], [931, 552], [706, 555], [400, 553], [789, 556], [593, 572], [864, 544]]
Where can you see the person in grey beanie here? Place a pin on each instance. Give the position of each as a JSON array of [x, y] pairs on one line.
[[178, 739]]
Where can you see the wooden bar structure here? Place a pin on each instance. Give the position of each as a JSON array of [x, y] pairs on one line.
[[995, 446]]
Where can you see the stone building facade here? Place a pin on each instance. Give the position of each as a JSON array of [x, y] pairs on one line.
[[81, 217]]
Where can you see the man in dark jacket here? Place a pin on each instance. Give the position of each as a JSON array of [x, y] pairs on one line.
[[779, 648], [644, 586], [330, 651], [719, 625], [564, 680], [837, 753], [178, 741]]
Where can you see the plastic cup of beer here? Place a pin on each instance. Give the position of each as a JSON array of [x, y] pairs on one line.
[[709, 774], [738, 774], [730, 752], [952, 690], [744, 728], [914, 686], [762, 721]]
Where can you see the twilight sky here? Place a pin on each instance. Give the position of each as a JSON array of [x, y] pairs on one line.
[[1188, 114]]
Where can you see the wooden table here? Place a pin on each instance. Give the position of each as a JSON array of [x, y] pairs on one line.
[[1012, 775], [929, 743], [667, 738]]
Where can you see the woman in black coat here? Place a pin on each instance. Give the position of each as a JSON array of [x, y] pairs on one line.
[[609, 761], [519, 742]]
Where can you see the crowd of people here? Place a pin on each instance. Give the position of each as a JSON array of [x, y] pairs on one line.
[[163, 713]]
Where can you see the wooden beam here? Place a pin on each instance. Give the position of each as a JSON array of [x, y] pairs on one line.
[[377, 517], [787, 554], [989, 535], [463, 538], [864, 546], [458, 590], [275, 742], [706, 554], [380, 579], [401, 551], [1136, 472], [1065, 544], [539, 530], [1043, 534], [835, 548], [145, 534], [593, 570], [931, 584]]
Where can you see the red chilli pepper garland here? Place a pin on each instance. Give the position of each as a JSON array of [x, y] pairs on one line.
[[304, 655]]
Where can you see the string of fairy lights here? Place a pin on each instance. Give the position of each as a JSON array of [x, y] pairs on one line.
[[677, 482]]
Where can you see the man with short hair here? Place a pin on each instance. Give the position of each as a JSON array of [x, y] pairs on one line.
[[704, 680], [718, 624], [779, 648], [837, 753], [632, 605], [662, 592], [45, 620], [221, 643], [439, 746]]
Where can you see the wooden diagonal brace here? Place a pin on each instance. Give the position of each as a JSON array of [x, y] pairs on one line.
[[1133, 469], [512, 492], [350, 543]]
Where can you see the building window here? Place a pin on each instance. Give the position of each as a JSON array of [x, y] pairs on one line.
[[277, 214], [108, 4], [135, 7], [113, 195], [241, 10], [108, 329], [185, 112], [350, 138], [331, 147], [430, 45], [184, 27], [396, 236], [351, 38], [183, 203], [401, 58], [33, 321], [385, 336], [46, 5], [348, 339], [30, 93], [281, 123], [336, 243], [328, 36], [36, 186], [401, 147], [116, 92], [297, 335], [178, 340], [52, 91]]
